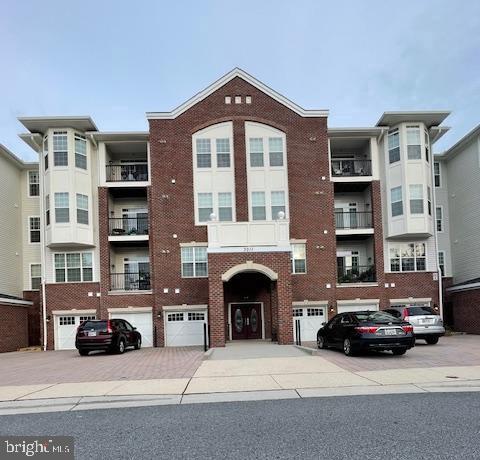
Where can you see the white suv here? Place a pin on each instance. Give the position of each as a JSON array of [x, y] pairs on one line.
[[426, 323]]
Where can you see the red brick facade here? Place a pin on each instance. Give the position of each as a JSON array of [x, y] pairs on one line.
[[466, 310], [13, 327]]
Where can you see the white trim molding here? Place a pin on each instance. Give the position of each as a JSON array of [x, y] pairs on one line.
[[310, 303], [184, 307], [249, 266], [411, 300], [74, 312], [342, 303], [130, 310]]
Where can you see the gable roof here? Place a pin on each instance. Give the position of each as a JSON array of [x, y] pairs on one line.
[[15, 160], [462, 143], [236, 72]]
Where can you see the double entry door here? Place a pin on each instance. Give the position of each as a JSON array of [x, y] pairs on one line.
[[246, 321]]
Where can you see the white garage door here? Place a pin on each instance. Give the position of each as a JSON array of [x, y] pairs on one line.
[[349, 308], [311, 319], [184, 328], [66, 330], [142, 321]]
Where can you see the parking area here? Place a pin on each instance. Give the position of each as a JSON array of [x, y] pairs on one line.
[[456, 350], [20, 368]]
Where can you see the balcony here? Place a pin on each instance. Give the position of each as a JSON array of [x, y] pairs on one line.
[[356, 274], [139, 281], [353, 222], [128, 228], [135, 172], [351, 168]]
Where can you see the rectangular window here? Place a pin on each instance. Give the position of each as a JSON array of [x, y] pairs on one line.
[[278, 204], [396, 201], [275, 150], [45, 152], [35, 276], [47, 209], [314, 311], [225, 207], [439, 218], [258, 206], [80, 151], [427, 147], [196, 316], [34, 229], [393, 146], [204, 153], [194, 262], [62, 208], [73, 267], [441, 262], [33, 183], [436, 174], [205, 206], [66, 320], [223, 153], [299, 258], [416, 199], [408, 257], [256, 152], [82, 209], [429, 200], [60, 148], [414, 148], [175, 317]]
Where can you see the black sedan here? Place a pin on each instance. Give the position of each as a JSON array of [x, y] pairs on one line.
[[366, 330]]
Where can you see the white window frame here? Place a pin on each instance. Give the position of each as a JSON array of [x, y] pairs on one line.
[[60, 133], [45, 153], [47, 210], [274, 215], [225, 207], [391, 134], [440, 265], [30, 230], [82, 210], [257, 193], [202, 154], [217, 153], [194, 261], [294, 270], [429, 200], [81, 138], [397, 201], [409, 129], [200, 221], [439, 175], [412, 198], [31, 277], [437, 220], [30, 183], [275, 152], [81, 267], [260, 141], [61, 207], [399, 245]]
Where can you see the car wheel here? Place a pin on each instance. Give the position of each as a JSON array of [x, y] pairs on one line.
[[431, 340], [121, 347], [138, 344], [399, 351], [83, 352], [348, 348], [321, 342]]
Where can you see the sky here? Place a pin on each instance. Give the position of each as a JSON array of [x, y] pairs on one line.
[[116, 60]]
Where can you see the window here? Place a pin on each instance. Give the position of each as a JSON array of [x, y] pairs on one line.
[[397, 201], [196, 316], [436, 174], [427, 147], [60, 148], [175, 317], [248, 99], [299, 258], [439, 218], [258, 206], [33, 183], [393, 146], [82, 209], [35, 276], [414, 148], [407, 257], [223, 153], [441, 262], [47, 209], [275, 149], [314, 311], [66, 320], [194, 262], [238, 99], [416, 199], [80, 151], [204, 153], [429, 200], [34, 229], [62, 210], [73, 267], [228, 99], [205, 206], [87, 318], [256, 152], [298, 312], [278, 204], [225, 207], [45, 152]]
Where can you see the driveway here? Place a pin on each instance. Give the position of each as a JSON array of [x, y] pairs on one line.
[[20, 368], [456, 350]]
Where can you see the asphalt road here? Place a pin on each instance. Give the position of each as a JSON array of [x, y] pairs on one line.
[[415, 426]]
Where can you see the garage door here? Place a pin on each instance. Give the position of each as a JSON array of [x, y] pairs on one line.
[[142, 321], [349, 308], [311, 319], [184, 328], [66, 329]]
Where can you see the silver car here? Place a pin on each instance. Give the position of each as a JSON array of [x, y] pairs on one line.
[[426, 323]]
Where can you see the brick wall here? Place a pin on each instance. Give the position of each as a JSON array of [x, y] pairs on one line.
[[13, 328], [34, 336], [466, 311]]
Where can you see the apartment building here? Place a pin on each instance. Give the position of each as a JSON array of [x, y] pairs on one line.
[[20, 269], [457, 191], [236, 213]]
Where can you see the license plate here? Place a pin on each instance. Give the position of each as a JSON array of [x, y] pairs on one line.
[[390, 332], [92, 334], [426, 321]]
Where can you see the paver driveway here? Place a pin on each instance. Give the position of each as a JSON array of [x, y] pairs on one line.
[[457, 350], [20, 368]]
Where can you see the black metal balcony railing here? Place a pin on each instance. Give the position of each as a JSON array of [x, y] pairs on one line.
[[356, 274], [127, 173], [351, 168], [131, 226], [130, 281], [353, 219]]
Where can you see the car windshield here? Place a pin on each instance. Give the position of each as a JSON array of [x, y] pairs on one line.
[[418, 311], [95, 325], [375, 317]]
